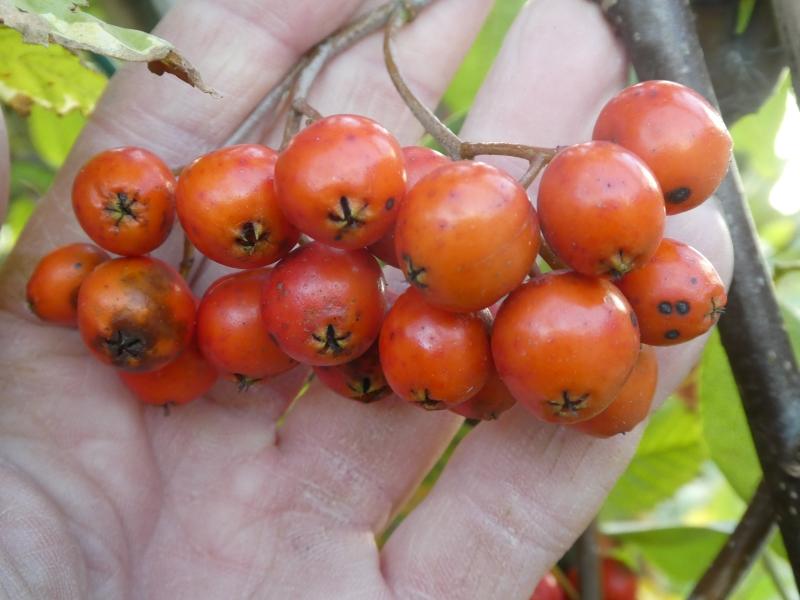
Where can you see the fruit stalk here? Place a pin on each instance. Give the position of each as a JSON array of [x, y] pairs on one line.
[[663, 44]]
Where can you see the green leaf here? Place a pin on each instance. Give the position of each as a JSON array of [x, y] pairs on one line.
[[682, 553], [788, 292], [754, 135], [467, 80], [743, 15], [53, 135], [62, 22], [50, 77], [670, 454], [724, 422]]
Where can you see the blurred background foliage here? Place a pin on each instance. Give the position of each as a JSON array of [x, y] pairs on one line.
[[696, 467]]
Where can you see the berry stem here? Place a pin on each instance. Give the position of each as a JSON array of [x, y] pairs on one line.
[[187, 260], [565, 583], [453, 145]]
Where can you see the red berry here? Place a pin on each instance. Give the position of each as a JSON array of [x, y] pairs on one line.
[[419, 162], [340, 180], [677, 296], [52, 291], [564, 343], [324, 306], [676, 132], [432, 357], [124, 200], [361, 379], [184, 379], [488, 404], [632, 404], [135, 313], [231, 331], [548, 589], [466, 235], [227, 206], [601, 209]]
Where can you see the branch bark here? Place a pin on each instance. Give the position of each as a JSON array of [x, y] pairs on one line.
[[740, 551], [663, 44]]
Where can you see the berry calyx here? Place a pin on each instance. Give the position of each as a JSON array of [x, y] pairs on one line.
[[360, 379]]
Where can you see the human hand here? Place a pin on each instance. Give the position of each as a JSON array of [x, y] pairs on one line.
[[102, 497]]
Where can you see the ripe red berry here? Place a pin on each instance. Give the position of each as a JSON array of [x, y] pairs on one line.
[[564, 343], [488, 404], [632, 404], [52, 291], [676, 132], [601, 209], [231, 331], [135, 313], [324, 306], [466, 235], [340, 180], [184, 379], [431, 357], [548, 589], [419, 162], [361, 379], [677, 296], [227, 206], [124, 200]]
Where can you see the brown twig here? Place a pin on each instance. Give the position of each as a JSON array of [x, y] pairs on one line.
[[565, 583], [187, 260], [740, 551], [452, 144]]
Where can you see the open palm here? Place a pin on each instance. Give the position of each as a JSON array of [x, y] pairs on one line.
[[103, 498]]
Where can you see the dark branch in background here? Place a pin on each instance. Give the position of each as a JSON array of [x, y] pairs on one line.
[[589, 564], [740, 551], [787, 18], [663, 45]]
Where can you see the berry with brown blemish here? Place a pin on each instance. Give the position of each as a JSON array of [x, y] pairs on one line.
[[677, 296], [432, 357]]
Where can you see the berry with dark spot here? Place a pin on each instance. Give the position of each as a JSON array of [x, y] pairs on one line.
[[227, 206], [471, 227], [673, 129], [546, 340], [419, 162], [324, 306], [52, 290], [361, 379], [124, 200], [431, 357], [340, 181], [135, 313], [681, 277], [601, 209]]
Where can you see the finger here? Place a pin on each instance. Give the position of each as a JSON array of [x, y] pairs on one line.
[[363, 461], [518, 492], [241, 48]]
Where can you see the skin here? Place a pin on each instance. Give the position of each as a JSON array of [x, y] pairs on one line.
[[213, 501]]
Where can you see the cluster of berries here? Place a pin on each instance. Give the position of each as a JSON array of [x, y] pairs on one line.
[[566, 344]]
